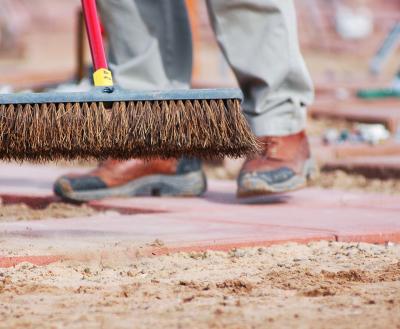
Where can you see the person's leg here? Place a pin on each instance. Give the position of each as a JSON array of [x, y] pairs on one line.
[[149, 43], [168, 22], [259, 40], [150, 48]]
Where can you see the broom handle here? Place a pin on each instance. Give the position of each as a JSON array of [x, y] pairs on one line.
[[102, 76]]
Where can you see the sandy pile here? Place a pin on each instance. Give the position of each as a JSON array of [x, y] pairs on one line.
[[320, 285], [343, 181], [20, 211]]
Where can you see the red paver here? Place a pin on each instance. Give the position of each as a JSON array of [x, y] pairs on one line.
[[379, 111], [216, 221], [373, 161], [35, 260], [375, 167], [324, 87], [326, 153], [334, 212]]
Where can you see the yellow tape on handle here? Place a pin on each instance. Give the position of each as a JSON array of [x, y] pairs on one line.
[[103, 78]]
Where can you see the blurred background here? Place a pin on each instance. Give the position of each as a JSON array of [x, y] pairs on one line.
[[39, 42], [352, 48]]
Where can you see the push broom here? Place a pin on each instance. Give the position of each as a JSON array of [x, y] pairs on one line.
[[112, 122]]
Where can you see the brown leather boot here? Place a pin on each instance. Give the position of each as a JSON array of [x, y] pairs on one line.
[[113, 178], [284, 165]]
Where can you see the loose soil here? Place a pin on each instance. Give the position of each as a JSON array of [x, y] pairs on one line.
[[20, 211], [320, 285], [340, 180]]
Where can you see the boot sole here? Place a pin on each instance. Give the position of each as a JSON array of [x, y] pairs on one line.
[[257, 186], [187, 185]]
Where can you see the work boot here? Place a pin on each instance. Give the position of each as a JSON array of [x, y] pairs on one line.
[[285, 164], [113, 178]]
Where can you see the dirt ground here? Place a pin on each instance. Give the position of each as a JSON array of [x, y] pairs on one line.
[[351, 182], [320, 285], [20, 211]]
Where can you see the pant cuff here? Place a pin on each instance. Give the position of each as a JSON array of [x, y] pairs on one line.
[[265, 124]]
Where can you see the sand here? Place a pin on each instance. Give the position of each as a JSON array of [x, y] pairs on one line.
[[341, 180], [320, 285], [20, 211]]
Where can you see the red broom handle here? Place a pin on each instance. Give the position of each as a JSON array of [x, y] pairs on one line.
[[95, 37]]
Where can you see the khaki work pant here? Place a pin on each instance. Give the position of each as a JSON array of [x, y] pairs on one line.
[[151, 48]]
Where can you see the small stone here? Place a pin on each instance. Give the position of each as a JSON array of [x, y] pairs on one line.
[[299, 259], [157, 243], [188, 299], [389, 244], [262, 250], [238, 253], [218, 311]]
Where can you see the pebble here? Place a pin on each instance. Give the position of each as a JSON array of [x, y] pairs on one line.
[[389, 244], [239, 253], [262, 250], [299, 259]]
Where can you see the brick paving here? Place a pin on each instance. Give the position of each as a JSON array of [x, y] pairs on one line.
[[383, 167], [216, 221], [358, 110], [350, 150]]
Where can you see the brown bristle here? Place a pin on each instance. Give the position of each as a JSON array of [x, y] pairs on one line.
[[143, 129]]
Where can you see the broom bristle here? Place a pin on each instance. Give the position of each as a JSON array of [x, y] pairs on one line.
[[123, 130]]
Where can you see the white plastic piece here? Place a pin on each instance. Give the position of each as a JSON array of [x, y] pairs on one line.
[[6, 89], [396, 83], [373, 133], [354, 23]]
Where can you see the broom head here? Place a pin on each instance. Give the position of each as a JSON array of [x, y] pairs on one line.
[[123, 124]]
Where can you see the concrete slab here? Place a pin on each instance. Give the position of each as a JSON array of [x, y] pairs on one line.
[[216, 221]]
